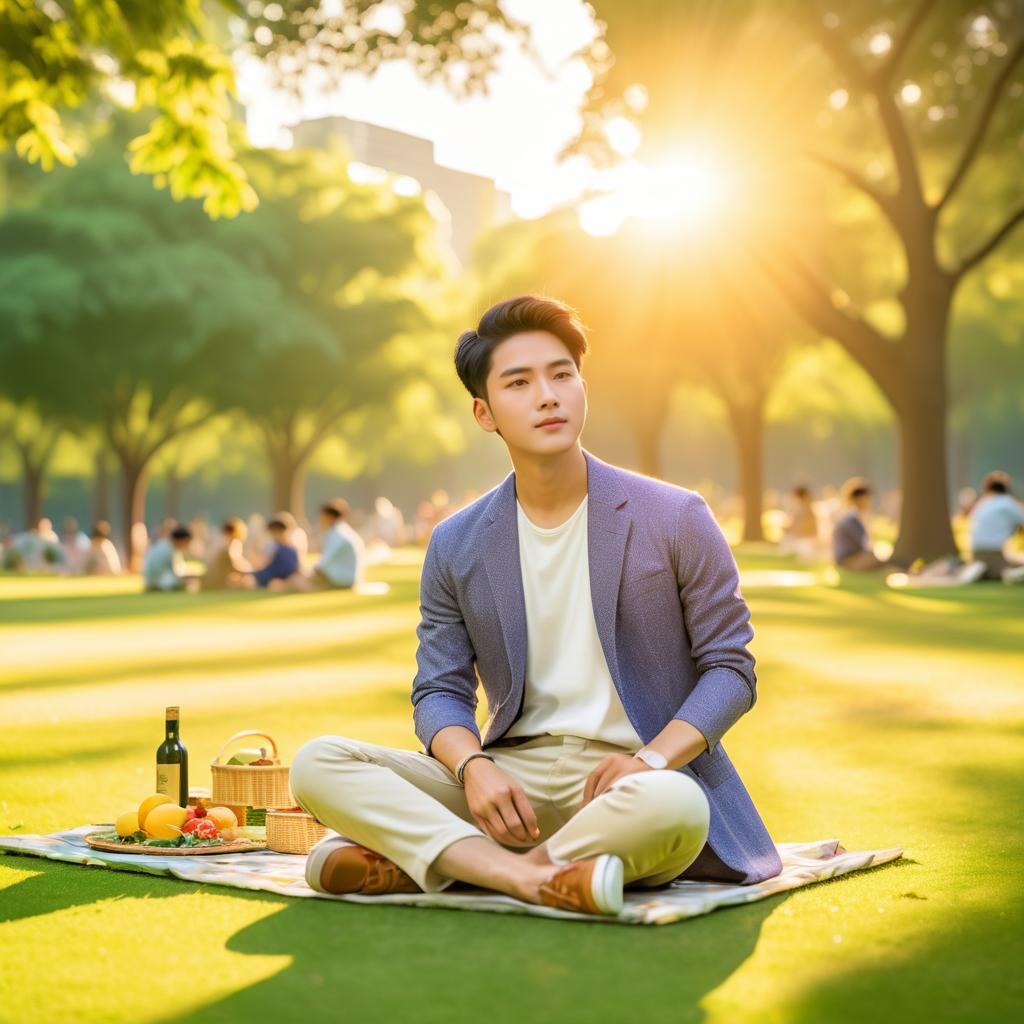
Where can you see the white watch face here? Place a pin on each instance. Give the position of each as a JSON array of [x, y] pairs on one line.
[[653, 758]]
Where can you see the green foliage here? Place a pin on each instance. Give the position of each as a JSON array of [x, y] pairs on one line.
[[173, 59]]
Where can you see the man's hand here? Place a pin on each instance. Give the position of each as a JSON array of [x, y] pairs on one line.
[[498, 804], [613, 767]]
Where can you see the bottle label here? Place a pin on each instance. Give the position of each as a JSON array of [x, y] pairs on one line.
[[168, 780]]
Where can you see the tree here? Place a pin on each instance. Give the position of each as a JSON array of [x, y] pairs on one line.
[[908, 115], [34, 438], [359, 259], [115, 310], [175, 58]]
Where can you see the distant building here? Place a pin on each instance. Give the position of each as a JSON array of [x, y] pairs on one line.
[[471, 202]]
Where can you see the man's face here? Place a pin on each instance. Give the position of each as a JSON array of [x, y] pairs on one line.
[[532, 380], [326, 521]]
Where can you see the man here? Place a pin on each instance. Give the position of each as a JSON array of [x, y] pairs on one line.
[[995, 520], [341, 562], [851, 545], [227, 567], [284, 562], [163, 567], [602, 612]]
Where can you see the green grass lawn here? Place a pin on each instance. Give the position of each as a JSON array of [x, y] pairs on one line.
[[885, 718]]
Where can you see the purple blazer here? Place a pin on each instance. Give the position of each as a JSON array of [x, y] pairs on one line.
[[669, 614]]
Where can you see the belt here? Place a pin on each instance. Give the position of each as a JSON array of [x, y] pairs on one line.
[[510, 741]]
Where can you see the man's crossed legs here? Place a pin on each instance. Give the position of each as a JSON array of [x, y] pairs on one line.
[[409, 808]]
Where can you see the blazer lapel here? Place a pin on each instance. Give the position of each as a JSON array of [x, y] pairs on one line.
[[608, 526], [607, 532], [504, 573]]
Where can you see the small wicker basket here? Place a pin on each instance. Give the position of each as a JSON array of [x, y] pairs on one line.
[[292, 830], [251, 785]]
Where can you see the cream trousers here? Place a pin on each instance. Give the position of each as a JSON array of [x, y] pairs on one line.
[[409, 807]]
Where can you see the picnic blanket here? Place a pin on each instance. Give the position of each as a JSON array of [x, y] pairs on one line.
[[802, 864]]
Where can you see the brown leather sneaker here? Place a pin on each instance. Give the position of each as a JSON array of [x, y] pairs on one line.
[[591, 886], [335, 865]]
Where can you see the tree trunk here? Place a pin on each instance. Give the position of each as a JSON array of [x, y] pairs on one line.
[[649, 426], [748, 430], [172, 498], [32, 482], [134, 507], [925, 529], [101, 487], [289, 484]]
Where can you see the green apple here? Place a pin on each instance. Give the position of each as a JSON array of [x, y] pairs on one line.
[[247, 756]]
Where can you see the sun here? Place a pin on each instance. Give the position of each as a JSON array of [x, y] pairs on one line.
[[689, 191]]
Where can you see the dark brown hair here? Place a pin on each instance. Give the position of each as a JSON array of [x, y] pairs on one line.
[[502, 321], [336, 508]]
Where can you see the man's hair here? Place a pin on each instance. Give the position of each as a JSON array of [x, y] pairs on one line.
[[101, 528], [181, 533], [277, 524], [287, 519], [233, 526], [515, 316], [802, 491], [336, 508], [996, 482], [855, 487]]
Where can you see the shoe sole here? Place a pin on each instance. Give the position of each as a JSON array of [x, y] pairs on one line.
[[606, 884], [316, 858]]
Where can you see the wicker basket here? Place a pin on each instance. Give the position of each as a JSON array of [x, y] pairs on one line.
[[292, 830], [250, 785]]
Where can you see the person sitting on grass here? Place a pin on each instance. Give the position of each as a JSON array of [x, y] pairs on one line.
[[102, 558], [74, 547], [164, 566], [228, 568], [284, 562], [851, 545], [342, 559], [601, 611], [995, 519]]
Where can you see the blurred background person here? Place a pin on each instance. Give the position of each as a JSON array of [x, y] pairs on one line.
[[284, 559], [800, 535], [851, 541], [164, 566], [996, 518], [343, 557], [74, 547], [102, 558], [227, 568]]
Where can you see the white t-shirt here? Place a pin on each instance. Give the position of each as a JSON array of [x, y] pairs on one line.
[[569, 690], [995, 519]]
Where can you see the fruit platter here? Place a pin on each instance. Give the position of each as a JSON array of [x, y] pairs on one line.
[[162, 828]]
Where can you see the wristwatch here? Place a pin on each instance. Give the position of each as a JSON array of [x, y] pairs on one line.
[[652, 758]]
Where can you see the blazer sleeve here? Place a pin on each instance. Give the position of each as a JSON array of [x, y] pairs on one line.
[[718, 623], [444, 690]]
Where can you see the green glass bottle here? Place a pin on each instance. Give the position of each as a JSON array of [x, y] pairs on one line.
[[172, 763]]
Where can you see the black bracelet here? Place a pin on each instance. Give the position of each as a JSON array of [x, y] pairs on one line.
[[460, 769]]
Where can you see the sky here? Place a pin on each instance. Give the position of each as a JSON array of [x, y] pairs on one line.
[[512, 135]]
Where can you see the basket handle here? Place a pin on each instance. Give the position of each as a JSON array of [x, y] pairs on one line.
[[242, 735]]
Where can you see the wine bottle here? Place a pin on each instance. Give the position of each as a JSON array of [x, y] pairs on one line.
[[172, 763]]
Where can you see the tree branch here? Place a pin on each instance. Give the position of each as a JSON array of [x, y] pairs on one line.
[[876, 84], [902, 44], [984, 250], [809, 297], [981, 124], [886, 203]]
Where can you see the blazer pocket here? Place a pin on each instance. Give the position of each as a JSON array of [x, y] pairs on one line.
[[712, 768]]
